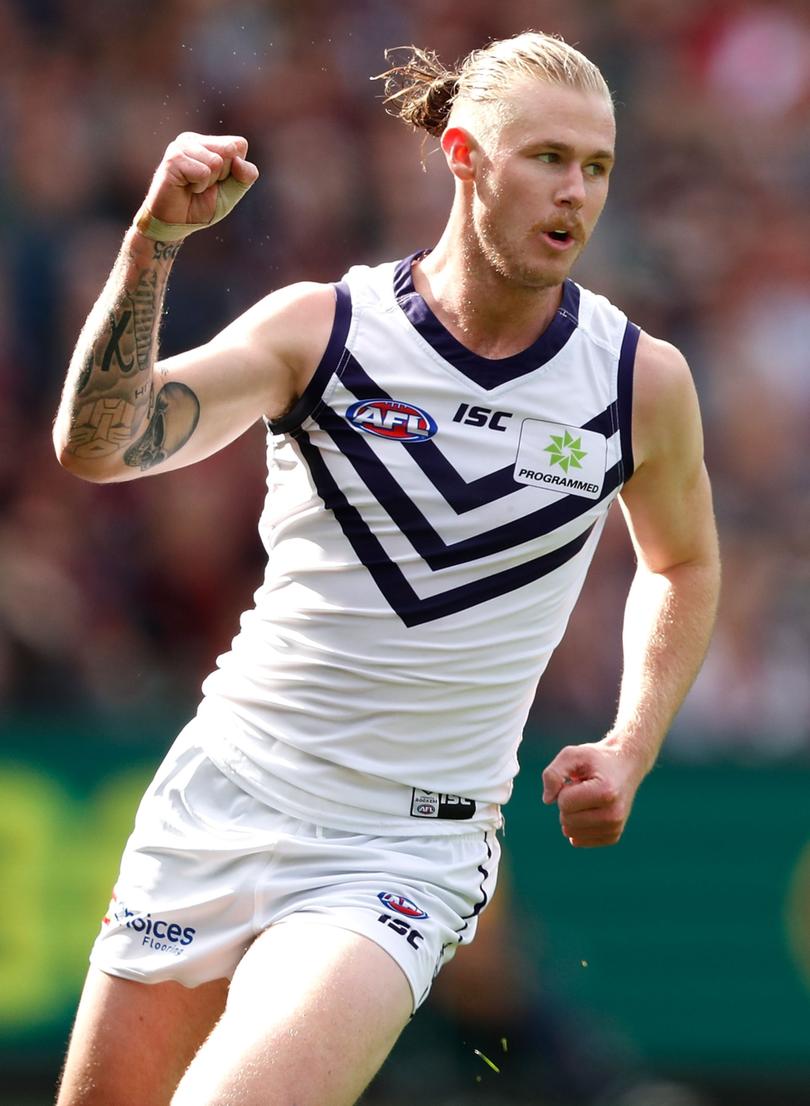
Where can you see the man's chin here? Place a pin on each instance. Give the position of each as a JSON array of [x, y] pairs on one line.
[[532, 272], [540, 276]]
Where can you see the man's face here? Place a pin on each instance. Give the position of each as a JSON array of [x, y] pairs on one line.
[[541, 181]]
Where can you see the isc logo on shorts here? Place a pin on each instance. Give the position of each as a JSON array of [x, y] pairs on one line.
[[430, 804], [391, 418], [401, 905]]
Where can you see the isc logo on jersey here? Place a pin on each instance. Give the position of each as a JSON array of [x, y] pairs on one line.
[[401, 905], [391, 418]]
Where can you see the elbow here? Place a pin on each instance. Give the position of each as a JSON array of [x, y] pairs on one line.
[[82, 469], [698, 578], [96, 470], [705, 567]]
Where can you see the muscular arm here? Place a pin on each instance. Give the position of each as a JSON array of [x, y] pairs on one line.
[[670, 609], [123, 414], [669, 616]]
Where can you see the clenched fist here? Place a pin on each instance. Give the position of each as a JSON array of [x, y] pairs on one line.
[[199, 180], [593, 786]]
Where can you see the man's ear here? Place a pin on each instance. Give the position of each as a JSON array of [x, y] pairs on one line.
[[460, 149]]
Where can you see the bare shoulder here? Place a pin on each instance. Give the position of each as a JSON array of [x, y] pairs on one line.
[[290, 323], [273, 348], [666, 415], [302, 301]]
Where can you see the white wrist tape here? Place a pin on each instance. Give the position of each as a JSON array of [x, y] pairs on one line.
[[229, 193]]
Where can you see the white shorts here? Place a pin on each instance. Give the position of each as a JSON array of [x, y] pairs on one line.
[[208, 867]]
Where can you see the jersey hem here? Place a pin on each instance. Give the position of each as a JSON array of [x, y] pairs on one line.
[[365, 820]]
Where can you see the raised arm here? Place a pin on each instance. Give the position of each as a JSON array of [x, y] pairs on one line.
[[123, 414], [670, 609]]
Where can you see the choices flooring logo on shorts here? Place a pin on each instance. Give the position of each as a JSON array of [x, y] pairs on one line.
[[156, 933]]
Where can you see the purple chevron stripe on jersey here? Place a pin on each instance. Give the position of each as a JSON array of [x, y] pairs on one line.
[[390, 578], [484, 371], [416, 528], [460, 494]]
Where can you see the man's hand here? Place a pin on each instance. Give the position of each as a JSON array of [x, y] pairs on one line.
[[199, 180], [594, 786]]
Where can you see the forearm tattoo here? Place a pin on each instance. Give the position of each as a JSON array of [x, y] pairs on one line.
[[114, 405]]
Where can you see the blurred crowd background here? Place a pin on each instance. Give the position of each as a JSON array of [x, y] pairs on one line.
[[115, 600], [704, 242]]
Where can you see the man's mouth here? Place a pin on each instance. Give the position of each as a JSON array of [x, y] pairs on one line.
[[559, 239]]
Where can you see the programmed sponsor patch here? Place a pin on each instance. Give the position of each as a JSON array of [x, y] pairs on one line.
[[564, 459]]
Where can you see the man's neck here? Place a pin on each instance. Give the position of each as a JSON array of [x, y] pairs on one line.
[[488, 314]]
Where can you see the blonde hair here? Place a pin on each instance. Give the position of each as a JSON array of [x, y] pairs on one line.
[[422, 91]]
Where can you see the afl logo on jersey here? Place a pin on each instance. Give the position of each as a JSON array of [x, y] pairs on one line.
[[401, 905], [391, 418]]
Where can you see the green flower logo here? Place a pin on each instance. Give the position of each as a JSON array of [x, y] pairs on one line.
[[565, 451]]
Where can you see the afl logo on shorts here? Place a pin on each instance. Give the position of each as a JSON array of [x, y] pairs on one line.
[[401, 905], [391, 418]]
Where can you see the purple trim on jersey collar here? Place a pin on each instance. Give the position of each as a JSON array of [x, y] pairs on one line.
[[484, 371]]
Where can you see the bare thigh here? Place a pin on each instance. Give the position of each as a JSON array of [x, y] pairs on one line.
[[131, 1042], [312, 1013]]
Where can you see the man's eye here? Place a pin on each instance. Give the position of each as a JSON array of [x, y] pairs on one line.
[[595, 169], [550, 158]]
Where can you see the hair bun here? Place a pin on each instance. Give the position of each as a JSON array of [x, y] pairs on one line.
[[420, 91]]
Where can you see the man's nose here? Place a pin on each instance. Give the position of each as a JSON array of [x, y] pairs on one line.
[[571, 192]]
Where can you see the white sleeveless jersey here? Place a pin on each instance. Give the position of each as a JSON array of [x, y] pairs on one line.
[[429, 521]]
